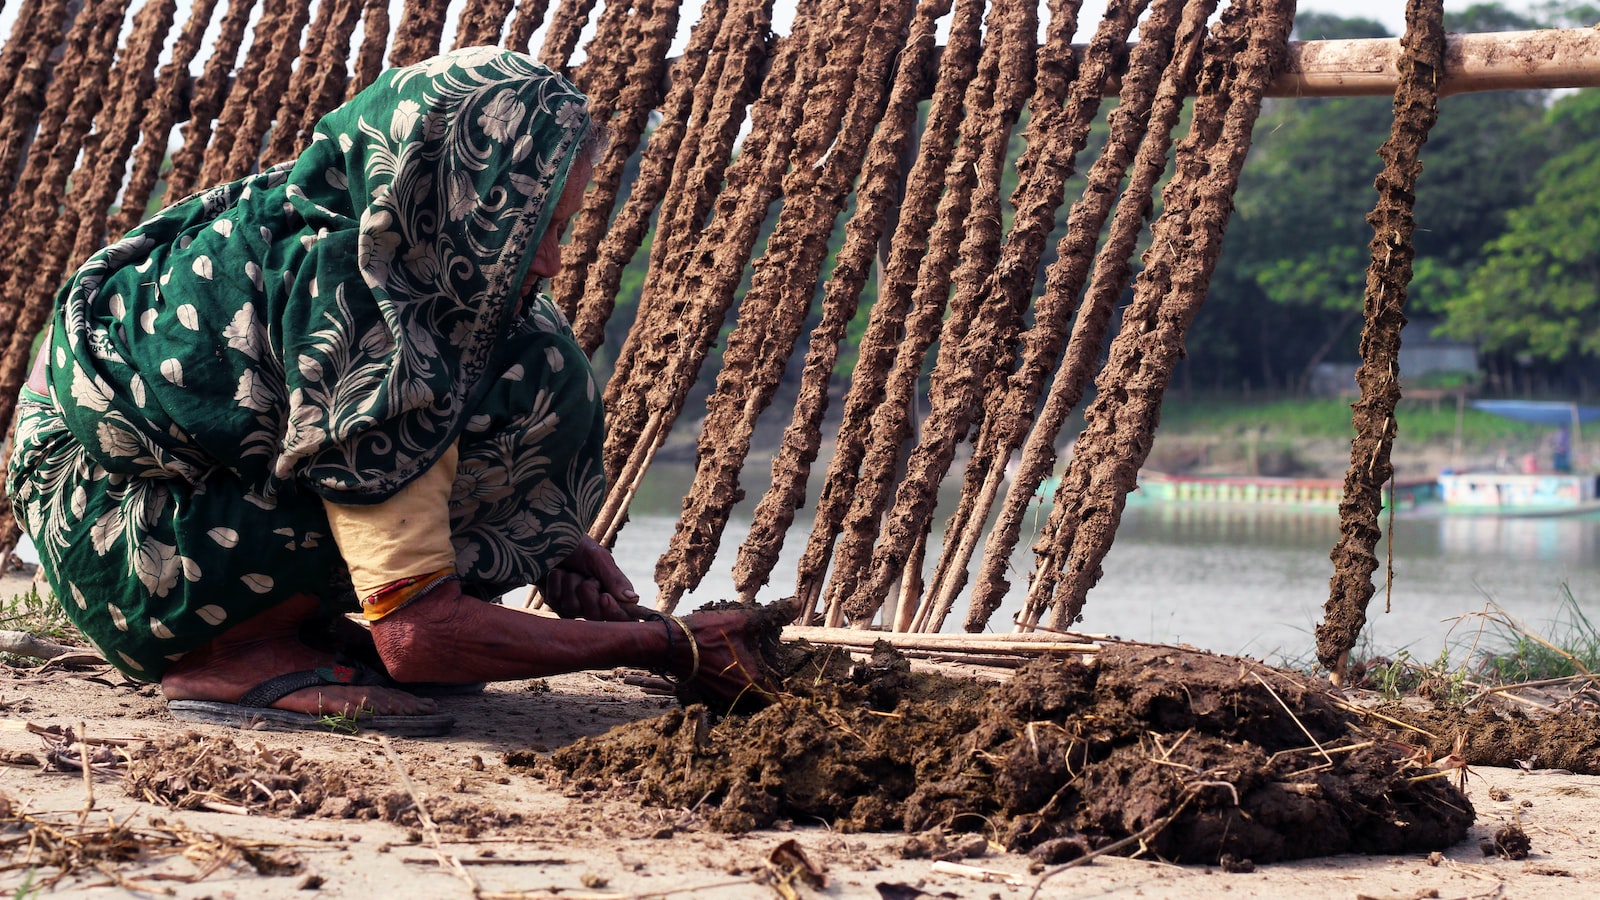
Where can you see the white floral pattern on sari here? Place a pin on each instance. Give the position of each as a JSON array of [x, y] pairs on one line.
[[321, 330]]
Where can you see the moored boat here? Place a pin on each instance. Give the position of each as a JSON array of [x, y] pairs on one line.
[[1506, 494], [1250, 490]]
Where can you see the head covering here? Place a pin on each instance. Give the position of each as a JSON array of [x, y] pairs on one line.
[[326, 325]]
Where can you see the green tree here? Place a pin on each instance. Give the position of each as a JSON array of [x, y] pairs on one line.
[[1568, 13], [1537, 292], [1314, 26], [1293, 270]]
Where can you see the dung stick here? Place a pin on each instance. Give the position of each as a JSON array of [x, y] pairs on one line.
[[626, 231], [260, 108], [754, 179], [730, 82], [240, 93], [43, 227], [1141, 125], [161, 110], [35, 34], [326, 87], [972, 308], [565, 28], [626, 485], [876, 353], [1248, 45], [133, 80], [530, 15], [890, 422], [837, 121], [317, 80], [210, 94], [1393, 221], [876, 202], [368, 63], [417, 36], [639, 84], [481, 23], [1015, 397], [1060, 132]]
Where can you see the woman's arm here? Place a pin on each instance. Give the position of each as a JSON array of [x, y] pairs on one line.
[[399, 543]]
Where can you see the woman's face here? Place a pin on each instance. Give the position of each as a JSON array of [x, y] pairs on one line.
[[547, 258]]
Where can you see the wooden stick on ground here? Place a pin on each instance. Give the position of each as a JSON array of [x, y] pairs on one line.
[[448, 860], [84, 756], [1033, 644], [22, 643]]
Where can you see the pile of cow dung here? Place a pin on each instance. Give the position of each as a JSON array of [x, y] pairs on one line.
[[1196, 756]]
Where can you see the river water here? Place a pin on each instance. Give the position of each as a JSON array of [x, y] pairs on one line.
[[1236, 580]]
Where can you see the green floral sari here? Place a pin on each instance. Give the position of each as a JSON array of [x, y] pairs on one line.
[[321, 331]]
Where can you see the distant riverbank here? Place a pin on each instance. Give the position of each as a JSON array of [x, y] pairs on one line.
[[1291, 437], [1310, 437]]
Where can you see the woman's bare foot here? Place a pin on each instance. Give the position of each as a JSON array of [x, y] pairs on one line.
[[267, 646]]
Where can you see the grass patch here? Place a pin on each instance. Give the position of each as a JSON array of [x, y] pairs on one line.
[[39, 617], [1403, 676], [1570, 647], [340, 723], [1502, 653]]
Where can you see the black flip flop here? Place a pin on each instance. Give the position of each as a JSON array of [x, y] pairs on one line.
[[439, 688], [255, 711]]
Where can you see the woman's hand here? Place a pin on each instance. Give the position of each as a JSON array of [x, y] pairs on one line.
[[589, 584], [732, 669]]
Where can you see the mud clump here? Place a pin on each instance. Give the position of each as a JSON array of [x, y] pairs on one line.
[[1510, 842], [1197, 754], [1507, 738]]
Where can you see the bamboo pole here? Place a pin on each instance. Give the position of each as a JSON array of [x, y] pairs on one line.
[[1496, 61], [1030, 643], [1499, 61], [1546, 59]]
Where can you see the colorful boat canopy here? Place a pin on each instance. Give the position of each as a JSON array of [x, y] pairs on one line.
[[1537, 412]]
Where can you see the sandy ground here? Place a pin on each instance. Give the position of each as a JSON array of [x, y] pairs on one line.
[[523, 837]]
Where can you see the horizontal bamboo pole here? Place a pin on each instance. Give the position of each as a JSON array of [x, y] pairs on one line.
[[1498, 61]]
